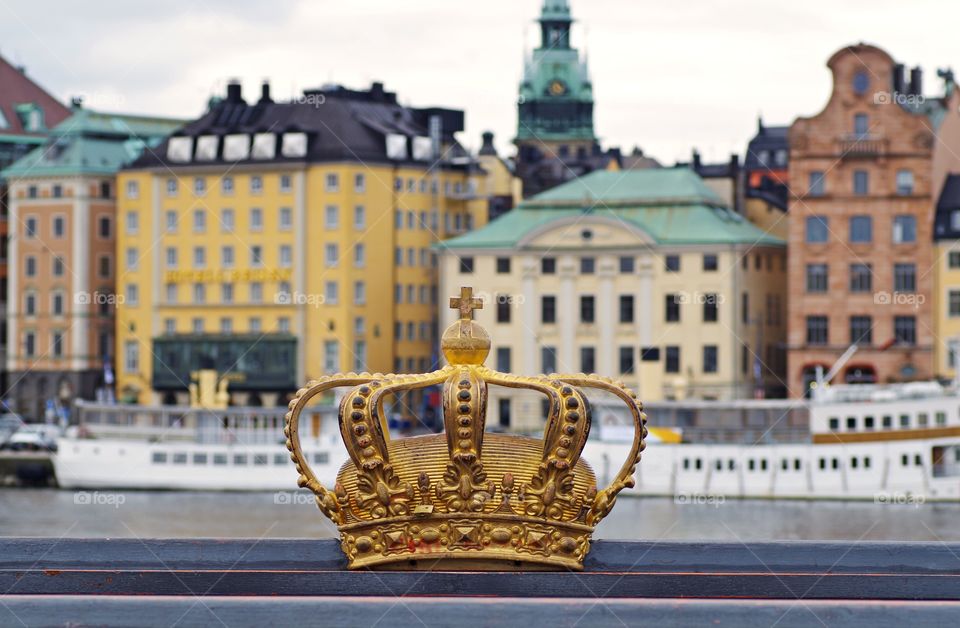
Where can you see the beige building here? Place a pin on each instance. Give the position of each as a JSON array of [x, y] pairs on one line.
[[643, 276]]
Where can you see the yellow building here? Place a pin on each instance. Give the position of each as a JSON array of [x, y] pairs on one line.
[[282, 241], [643, 276], [946, 291]]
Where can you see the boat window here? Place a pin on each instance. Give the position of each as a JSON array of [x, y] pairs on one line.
[[718, 465], [699, 464], [904, 420], [917, 460], [240, 459], [763, 464], [784, 464], [260, 459], [834, 424], [823, 464], [904, 460], [180, 458], [941, 418], [219, 458], [851, 422], [279, 459], [853, 462], [887, 421], [751, 464], [866, 462], [159, 457], [835, 464], [731, 464], [923, 419], [200, 458], [868, 422], [796, 464], [321, 457], [956, 454]]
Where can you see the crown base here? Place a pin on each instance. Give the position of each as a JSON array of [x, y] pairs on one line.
[[457, 541]]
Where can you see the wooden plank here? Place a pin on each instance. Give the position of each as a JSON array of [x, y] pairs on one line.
[[188, 611]]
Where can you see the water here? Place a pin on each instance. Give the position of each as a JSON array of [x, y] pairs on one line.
[[145, 514]]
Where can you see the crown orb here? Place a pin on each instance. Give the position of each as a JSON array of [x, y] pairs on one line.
[[465, 342]]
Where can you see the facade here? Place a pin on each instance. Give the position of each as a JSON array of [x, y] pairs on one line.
[[864, 174], [555, 139], [63, 267], [764, 196], [282, 241], [644, 276], [27, 113], [946, 293]]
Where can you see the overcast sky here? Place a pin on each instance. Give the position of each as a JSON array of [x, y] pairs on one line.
[[667, 75]]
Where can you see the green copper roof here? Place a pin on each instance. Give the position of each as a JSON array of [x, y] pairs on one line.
[[673, 206], [90, 142], [555, 10]]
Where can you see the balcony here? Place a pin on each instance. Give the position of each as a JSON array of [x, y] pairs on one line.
[[862, 146]]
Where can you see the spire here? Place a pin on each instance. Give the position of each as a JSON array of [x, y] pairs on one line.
[[555, 11], [555, 20]]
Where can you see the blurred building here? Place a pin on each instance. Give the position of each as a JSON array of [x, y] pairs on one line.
[[282, 241], [63, 264], [864, 176], [764, 196], [946, 293], [27, 113], [555, 139], [645, 276]]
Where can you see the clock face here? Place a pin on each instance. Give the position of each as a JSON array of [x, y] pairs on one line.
[[557, 88]]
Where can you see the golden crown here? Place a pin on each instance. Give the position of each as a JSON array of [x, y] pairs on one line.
[[431, 501]]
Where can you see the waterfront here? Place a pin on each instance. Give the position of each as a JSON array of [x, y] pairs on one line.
[[151, 514]]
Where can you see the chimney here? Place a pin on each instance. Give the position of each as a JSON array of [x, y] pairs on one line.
[[234, 92], [898, 86], [376, 91], [696, 159], [916, 81], [265, 93], [488, 148]]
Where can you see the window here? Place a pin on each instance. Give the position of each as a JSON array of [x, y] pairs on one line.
[[171, 293], [171, 221], [332, 183], [816, 185], [817, 333], [133, 258], [30, 266], [256, 219], [503, 265], [861, 182], [256, 184], [817, 277], [30, 227], [548, 309], [861, 278], [227, 221], [199, 257], [466, 265], [904, 229], [861, 229], [331, 217], [331, 293], [904, 278], [954, 303], [359, 182], [672, 308], [628, 265], [131, 356], [56, 303], [286, 219], [199, 221], [360, 255], [503, 308], [359, 217], [953, 260], [587, 360], [905, 330], [816, 229], [672, 360], [861, 330], [105, 189], [286, 183], [861, 82], [710, 359], [626, 360], [199, 186], [626, 310], [710, 309], [286, 256], [503, 359], [30, 304], [199, 293], [709, 262], [171, 187], [548, 265], [587, 309], [58, 267], [904, 182], [331, 254], [226, 186], [226, 293], [672, 263], [133, 223], [105, 227], [548, 359], [587, 265], [105, 266], [331, 356], [226, 257]]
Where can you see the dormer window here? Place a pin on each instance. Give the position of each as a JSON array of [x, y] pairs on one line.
[[31, 117]]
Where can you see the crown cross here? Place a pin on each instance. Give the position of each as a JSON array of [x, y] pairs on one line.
[[466, 303]]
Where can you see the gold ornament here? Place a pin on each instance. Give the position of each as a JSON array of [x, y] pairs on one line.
[[465, 499]]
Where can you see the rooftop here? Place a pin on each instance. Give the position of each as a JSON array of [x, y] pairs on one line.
[[19, 97]]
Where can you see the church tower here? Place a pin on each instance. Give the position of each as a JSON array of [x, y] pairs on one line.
[[555, 137]]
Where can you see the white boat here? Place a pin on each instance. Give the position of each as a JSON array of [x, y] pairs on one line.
[[898, 444]]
